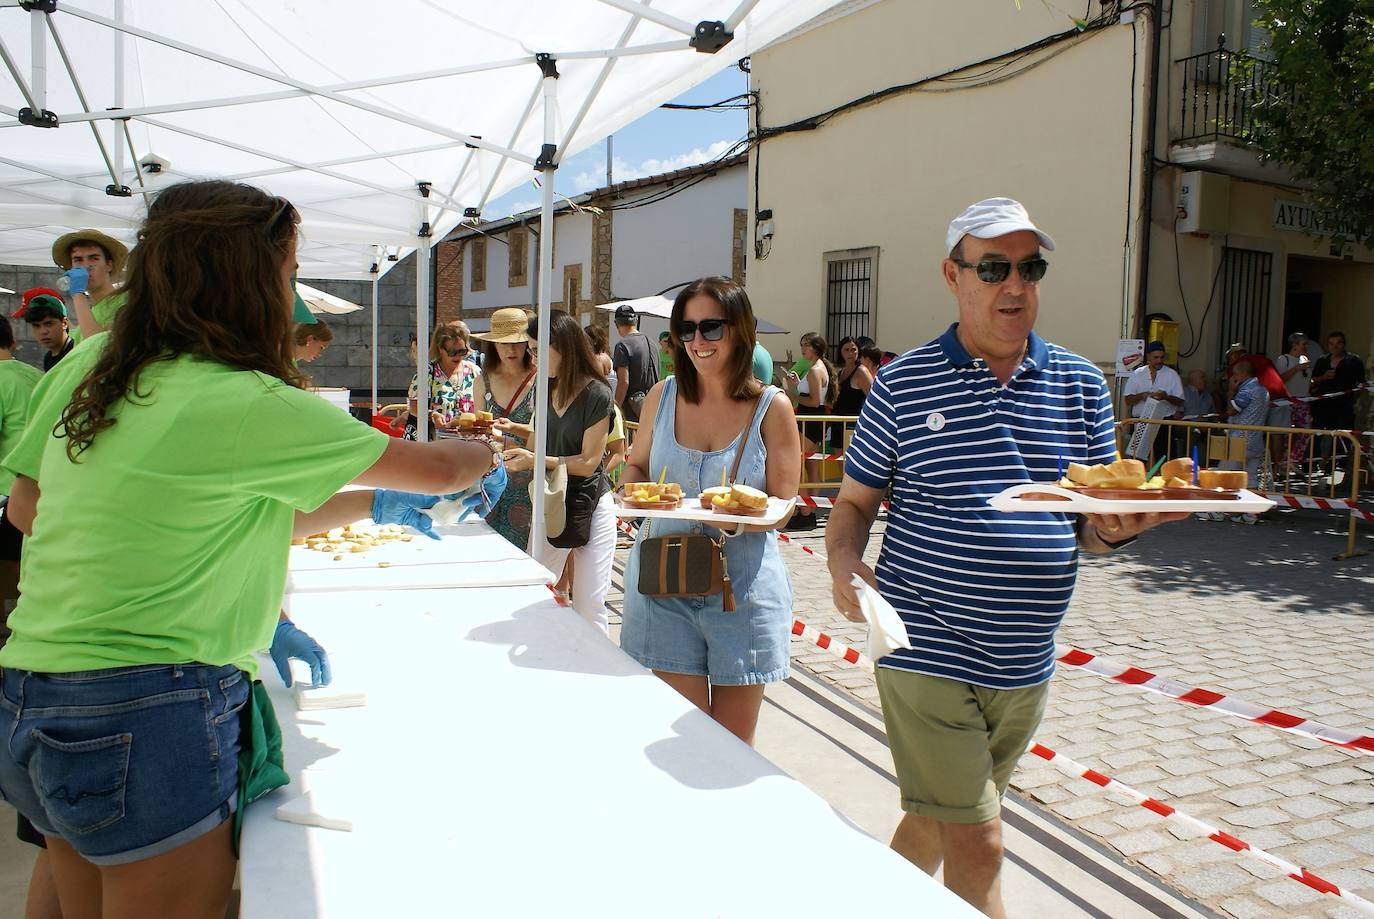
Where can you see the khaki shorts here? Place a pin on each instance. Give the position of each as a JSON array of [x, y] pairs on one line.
[[955, 745]]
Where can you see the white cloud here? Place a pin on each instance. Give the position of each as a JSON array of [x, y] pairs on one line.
[[518, 207], [625, 171]]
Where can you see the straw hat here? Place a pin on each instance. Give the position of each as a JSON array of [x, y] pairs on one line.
[[507, 325], [61, 250]]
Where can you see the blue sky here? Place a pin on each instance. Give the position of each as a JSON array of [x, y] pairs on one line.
[[661, 141]]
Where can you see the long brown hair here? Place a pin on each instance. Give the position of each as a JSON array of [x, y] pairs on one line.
[[316, 330], [204, 279], [832, 386], [576, 362], [739, 315]]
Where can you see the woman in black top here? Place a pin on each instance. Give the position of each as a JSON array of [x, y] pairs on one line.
[[575, 436], [855, 380]]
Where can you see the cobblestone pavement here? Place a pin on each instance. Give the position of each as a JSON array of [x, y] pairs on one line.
[[1260, 612]]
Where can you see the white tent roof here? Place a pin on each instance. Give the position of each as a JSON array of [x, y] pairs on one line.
[[342, 107]]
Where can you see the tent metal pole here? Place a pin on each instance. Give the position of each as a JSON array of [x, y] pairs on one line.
[[422, 332], [599, 82], [500, 166], [81, 96], [547, 165], [680, 44], [227, 101], [118, 93], [738, 15], [643, 11], [376, 321], [306, 88], [19, 80], [38, 44]]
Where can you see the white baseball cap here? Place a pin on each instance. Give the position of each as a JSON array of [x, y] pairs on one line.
[[990, 218]]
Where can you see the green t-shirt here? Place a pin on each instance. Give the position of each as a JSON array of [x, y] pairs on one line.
[[49, 397], [104, 310], [179, 517], [17, 380]]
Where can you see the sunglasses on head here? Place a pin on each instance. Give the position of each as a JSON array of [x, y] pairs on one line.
[[281, 208], [711, 330], [995, 271]]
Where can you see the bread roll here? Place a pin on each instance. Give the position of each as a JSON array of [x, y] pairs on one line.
[[712, 493], [1125, 473], [467, 418], [484, 416], [1231, 479], [745, 496], [1178, 469]]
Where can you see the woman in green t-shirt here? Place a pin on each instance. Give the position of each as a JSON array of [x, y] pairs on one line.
[[122, 691]]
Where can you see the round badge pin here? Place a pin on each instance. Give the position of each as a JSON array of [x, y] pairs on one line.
[[935, 421]]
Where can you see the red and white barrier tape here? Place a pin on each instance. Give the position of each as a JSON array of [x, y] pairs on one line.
[[1206, 698], [1329, 395], [838, 648], [1299, 874], [1325, 504], [1069, 767]]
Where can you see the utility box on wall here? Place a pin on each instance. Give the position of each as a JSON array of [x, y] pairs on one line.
[[1204, 203]]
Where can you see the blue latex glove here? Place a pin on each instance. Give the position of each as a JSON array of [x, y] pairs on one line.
[[403, 507], [77, 279], [288, 642], [489, 490]]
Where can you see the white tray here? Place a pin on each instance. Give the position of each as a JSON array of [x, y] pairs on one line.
[[1010, 500], [691, 509]]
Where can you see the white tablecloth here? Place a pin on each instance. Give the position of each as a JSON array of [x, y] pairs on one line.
[[511, 761]]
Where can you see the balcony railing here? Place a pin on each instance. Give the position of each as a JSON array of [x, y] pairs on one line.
[[1221, 89]]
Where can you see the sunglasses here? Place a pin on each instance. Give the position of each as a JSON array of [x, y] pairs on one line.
[[995, 271], [711, 330], [459, 353], [283, 207]]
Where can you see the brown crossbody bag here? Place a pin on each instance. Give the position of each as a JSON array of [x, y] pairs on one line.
[[689, 564]]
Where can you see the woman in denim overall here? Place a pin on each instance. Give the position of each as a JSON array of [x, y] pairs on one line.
[[713, 407]]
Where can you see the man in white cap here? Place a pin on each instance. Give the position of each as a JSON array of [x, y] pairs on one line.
[[92, 260], [948, 425]]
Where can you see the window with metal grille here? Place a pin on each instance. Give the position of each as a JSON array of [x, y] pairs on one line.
[[1245, 281], [851, 284], [479, 264]]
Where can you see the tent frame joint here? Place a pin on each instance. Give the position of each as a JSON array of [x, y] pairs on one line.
[[39, 119], [548, 158], [38, 6], [118, 191], [710, 36], [548, 64]]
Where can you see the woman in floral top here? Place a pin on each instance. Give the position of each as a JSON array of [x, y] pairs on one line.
[[451, 379]]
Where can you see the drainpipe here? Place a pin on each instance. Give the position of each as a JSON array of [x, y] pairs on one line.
[[1152, 121]]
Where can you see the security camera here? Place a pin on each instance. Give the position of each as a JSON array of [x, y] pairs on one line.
[[153, 164]]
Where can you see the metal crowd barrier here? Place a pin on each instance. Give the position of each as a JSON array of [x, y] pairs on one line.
[[1300, 467]]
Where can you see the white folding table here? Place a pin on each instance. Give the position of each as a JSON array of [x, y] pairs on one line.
[[512, 761]]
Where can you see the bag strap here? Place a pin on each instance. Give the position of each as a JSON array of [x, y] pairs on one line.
[[741, 439], [519, 391]]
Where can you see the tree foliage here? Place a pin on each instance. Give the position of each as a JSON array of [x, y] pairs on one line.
[[1313, 109]]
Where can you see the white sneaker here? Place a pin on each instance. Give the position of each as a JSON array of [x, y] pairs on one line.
[[1249, 519]]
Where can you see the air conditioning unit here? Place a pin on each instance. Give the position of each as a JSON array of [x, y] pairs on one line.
[[1204, 203]]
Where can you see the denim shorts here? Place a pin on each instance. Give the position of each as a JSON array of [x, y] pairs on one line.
[[123, 764], [693, 635]]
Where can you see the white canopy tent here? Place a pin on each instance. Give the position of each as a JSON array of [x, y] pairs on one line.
[[386, 127]]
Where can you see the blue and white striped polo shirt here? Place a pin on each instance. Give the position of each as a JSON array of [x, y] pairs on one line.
[[981, 591]]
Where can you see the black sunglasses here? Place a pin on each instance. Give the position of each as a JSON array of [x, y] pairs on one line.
[[282, 207], [995, 271], [711, 330], [461, 352]]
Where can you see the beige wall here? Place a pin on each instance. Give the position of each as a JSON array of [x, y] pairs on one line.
[[893, 174]]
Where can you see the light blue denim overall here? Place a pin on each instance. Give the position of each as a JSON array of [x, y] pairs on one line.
[[694, 635]]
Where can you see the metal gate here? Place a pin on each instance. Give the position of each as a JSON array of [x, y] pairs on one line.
[[1245, 277], [848, 300]]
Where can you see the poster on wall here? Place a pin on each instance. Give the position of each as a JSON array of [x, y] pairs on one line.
[[1130, 354]]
